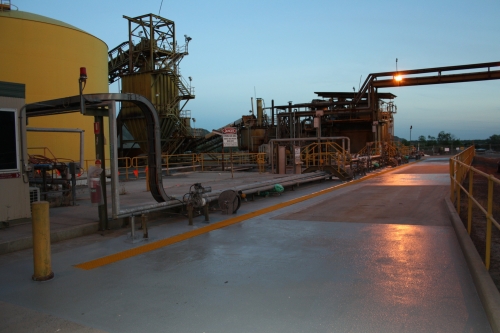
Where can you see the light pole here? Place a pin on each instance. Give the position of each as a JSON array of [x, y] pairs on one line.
[[410, 133]]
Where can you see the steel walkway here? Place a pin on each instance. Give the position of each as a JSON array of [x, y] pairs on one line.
[[378, 255]]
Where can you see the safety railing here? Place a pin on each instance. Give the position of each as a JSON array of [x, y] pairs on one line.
[[370, 150], [237, 159], [460, 168], [324, 153], [44, 150], [124, 165], [137, 166], [195, 162], [390, 148]]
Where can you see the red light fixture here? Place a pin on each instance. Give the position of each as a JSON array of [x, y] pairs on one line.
[[83, 73]]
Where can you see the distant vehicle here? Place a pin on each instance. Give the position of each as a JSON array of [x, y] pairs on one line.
[[480, 150]]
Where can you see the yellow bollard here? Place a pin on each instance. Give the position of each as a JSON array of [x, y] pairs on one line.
[[41, 241]]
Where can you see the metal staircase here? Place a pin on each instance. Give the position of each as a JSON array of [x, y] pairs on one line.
[[152, 54], [326, 156]]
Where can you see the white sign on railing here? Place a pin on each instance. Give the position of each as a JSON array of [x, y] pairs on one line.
[[230, 137]]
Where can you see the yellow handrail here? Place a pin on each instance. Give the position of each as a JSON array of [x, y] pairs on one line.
[[460, 167], [324, 153]]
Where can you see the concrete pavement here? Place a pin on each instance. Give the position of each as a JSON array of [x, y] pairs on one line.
[[379, 255]]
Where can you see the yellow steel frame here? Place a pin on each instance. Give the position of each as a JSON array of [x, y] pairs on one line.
[[391, 149], [324, 153], [460, 167], [371, 150], [193, 160]]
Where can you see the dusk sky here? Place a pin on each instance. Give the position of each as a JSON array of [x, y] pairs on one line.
[[287, 50]]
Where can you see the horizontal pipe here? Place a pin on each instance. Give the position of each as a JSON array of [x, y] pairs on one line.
[[264, 186], [64, 130], [212, 196], [437, 79]]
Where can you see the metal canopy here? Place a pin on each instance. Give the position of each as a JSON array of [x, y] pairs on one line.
[[96, 101]]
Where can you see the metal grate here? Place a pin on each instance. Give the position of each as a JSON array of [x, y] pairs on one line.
[[34, 194]]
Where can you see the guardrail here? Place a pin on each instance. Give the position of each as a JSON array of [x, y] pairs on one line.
[[460, 168], [194, 161], [44, 152], [324, 152], [138, 165]]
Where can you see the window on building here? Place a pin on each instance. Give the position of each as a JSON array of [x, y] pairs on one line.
[[9, 160]]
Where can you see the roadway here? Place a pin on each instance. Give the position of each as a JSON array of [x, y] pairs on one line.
[[377, 255]]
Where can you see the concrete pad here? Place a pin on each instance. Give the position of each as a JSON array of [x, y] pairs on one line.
[[414, 205], [268, 274]]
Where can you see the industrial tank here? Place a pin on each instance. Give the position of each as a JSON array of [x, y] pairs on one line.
[[46, 56]]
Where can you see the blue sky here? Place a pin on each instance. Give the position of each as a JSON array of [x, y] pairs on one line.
[[287, 50]]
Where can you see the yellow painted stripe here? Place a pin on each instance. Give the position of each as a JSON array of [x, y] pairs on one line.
[[193, 233]]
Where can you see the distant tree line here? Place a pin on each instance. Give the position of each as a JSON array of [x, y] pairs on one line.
[[445, 139]]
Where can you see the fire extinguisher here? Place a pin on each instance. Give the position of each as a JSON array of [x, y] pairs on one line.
[[94, 182], [95, 190]]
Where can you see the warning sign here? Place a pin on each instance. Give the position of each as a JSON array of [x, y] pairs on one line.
[[229, 130], [230, 137], [230, 140]]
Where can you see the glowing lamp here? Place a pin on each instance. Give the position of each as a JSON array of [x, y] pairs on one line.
[[83, 73], [398, 78]]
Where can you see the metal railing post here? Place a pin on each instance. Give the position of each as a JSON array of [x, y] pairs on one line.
[[469, 213], [460, 168], [452, 173], [487, 256]]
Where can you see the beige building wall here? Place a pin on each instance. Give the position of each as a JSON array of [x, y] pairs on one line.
[[14, 192]]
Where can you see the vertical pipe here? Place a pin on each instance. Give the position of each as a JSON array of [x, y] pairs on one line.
[[231, 158], [132, 227], [41, 241], [205, 210], [113, 148], [99, 146], [131, 55], [82, 140], [272, 112], [24, 145], [144, 225], [259, 112], [151, 43]]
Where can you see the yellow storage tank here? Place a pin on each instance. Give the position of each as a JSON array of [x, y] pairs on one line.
[[46, 55]]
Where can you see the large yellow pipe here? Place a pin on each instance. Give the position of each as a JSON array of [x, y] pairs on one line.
[[41, 241]]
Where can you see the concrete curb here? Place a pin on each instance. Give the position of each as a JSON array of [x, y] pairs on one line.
[[488, 292], [55, 236]]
